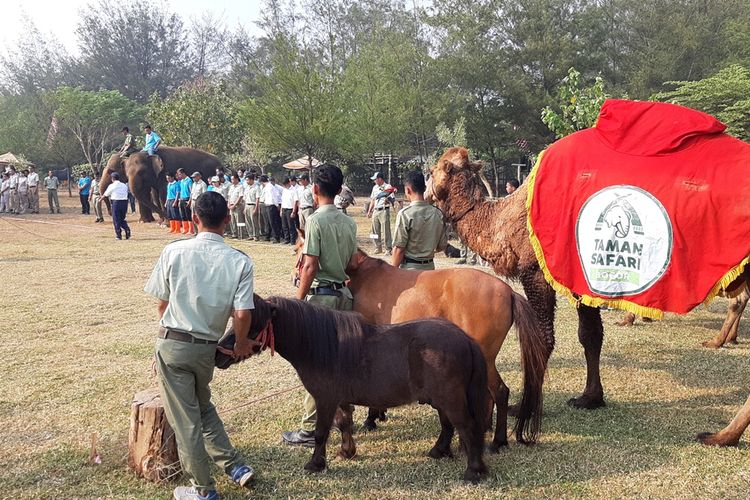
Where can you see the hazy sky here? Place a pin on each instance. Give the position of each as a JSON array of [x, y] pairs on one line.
[[59, 17]]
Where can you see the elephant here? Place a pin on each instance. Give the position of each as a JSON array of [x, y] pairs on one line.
[[147, 179]]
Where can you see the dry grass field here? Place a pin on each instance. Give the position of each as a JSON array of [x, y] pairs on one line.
[[76, 337]]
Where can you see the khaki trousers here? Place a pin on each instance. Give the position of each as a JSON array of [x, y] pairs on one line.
[[185, 370], [53, 200], [23, 201], [381, 225], [238, 216], [303, 214], [343, 303], [14, 205], [253, 221], [34, 199], [418, 267], [97, 206]]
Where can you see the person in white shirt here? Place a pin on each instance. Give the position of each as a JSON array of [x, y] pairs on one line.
[[271, 209], [252, 207], [117, 192], [33, 181], [198, 188], [5, 193], [289, 206], [13, 197], [23, 192], [236, 199]]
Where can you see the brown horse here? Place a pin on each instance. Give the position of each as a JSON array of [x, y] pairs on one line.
[[342, 361], [729, 435], [482, 305]]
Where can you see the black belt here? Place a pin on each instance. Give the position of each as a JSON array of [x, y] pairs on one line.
[[379, 209], [304, 208], [409, 260], [332, 289], [166, 333]]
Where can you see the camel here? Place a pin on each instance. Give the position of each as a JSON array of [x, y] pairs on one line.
[[729, 435], [730, 327], [497, 231]]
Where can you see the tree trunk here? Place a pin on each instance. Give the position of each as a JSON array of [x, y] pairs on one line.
[[152, 450]]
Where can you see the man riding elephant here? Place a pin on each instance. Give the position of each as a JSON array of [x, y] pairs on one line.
[[147, 180]]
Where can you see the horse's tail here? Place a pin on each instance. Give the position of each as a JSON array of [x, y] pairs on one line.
[[477, 392], [534, 364]]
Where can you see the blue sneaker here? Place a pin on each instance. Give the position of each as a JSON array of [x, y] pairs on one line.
[[190, 493], [242, 475]]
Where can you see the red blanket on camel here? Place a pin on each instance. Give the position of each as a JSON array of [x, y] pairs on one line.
[[648, 211]]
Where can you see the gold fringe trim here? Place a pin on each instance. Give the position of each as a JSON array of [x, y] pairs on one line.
[[728, 278], [625, 305]]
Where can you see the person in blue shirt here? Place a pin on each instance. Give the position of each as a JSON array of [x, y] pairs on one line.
[[172, 206], [84, 188], [183, 195], [153, 140]]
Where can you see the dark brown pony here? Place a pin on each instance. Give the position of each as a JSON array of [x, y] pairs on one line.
[[343, 361], [480, 304]]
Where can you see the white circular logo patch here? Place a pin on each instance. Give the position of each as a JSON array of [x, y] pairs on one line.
[[624, 240]]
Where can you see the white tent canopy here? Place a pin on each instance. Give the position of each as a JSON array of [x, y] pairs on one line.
[[303, 163], [11, 159]]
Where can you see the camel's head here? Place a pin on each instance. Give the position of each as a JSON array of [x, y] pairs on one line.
[[453, 166]]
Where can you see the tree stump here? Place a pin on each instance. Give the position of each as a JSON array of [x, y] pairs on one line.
[[152, 450]]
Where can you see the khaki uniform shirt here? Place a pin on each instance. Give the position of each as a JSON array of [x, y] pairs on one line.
[[33, 179], [203, 279], [332, 237], [306, 197], [420, 229], [51, 182], [197, 189], [251, 193]]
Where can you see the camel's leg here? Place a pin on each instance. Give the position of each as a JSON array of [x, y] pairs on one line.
[[731, 323], [591, 336], [499, 393], [730, 435], [542, 298], [627, 320], [742, 299]]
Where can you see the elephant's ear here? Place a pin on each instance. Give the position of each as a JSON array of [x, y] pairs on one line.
[[157, 164]]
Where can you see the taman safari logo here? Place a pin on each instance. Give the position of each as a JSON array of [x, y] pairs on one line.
[[624, 240]]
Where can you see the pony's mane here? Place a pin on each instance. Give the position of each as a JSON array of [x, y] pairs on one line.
[[325, 338]]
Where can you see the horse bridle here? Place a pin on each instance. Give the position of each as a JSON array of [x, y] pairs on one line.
[[263, 340]]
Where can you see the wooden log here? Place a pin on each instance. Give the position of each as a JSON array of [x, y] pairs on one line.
[[152, 450]]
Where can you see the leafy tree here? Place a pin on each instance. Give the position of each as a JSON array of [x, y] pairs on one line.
[[577, 106], [137, 47], [298, 108], [36, 63], [93, 118], [199, 115], [725, 95]]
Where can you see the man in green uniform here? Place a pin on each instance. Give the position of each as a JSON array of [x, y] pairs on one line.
[[51, 184], [128, 146], [330, 242], [420, 228], [380, 204], [200, 283], [306, 201]]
